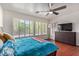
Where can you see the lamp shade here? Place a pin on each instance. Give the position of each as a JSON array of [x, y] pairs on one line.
[[1, 17]]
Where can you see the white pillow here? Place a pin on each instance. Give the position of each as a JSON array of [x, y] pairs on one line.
[[1, 43]]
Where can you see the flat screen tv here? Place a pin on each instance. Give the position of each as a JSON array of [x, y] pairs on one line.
[[66, 27]]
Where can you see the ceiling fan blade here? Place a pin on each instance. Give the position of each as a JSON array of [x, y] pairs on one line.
[[41, 11], [49, 5], [59, 8], [56, 13], [47, 14]]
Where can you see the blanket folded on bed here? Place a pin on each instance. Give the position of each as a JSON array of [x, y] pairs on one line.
[[39, 39]]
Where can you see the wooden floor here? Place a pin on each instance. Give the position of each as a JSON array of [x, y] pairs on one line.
[[67, 50]]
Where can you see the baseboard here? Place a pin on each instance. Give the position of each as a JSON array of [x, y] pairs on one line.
[[77, 45]]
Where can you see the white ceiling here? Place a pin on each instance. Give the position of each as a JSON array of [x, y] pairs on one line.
[[31, 8]]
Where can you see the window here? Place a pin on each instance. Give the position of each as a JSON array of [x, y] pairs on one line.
[[19, 28], [15, 28], [23, 28], [36, 28], [40, 28], [31, 30], [45, 28], [27, 29]]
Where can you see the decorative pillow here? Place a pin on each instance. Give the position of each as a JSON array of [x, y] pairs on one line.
[[1, 44], [2, 38], [7, 36]]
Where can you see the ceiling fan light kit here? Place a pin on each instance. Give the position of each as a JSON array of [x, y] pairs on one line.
[[50, 12]]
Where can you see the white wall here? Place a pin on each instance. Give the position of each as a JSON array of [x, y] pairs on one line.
[[1, 16], [7, 22], [8, 17], [70, 18]]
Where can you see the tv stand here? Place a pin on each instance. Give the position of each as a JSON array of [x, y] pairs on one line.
[[66, 37]]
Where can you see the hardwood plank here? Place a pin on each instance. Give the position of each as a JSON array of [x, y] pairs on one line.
[[67, 50]]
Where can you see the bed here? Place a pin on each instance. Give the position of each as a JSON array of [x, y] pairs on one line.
[[33, 47]]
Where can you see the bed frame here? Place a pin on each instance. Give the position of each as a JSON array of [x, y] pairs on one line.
[[52, 54]]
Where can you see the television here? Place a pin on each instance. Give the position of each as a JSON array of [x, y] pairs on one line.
[[66, 27]]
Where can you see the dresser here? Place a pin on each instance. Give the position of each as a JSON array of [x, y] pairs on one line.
[[66, 37]]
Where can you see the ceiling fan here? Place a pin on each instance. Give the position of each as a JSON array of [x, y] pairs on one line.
[[52, 11]]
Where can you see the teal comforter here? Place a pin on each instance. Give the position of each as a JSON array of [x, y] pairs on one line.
[[31, 47]]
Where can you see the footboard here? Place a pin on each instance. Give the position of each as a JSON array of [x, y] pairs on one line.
[[53, 54]]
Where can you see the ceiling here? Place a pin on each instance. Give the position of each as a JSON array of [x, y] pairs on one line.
[[31, 8]]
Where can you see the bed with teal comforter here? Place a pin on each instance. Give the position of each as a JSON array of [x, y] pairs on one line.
[[28, 47], [31, 47]]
